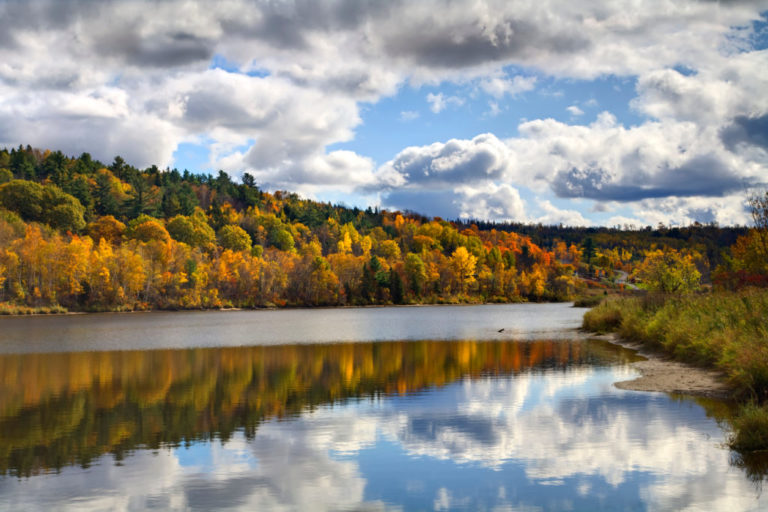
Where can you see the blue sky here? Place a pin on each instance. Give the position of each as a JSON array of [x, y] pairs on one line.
[[601, 113]]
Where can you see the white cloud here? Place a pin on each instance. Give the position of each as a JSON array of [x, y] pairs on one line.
[[439, 102], [607, 161], [575, 111], [457, 161], [127, 78], [554, 216], [499, 202], [499, 86]]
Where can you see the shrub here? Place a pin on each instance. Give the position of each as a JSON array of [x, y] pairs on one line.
[[750, 429]]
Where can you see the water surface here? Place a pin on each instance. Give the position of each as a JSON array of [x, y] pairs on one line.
[[515, 423], [129, 331]]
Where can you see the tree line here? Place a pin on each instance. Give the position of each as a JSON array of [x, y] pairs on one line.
[[88, 236]]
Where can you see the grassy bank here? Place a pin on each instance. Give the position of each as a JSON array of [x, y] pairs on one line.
[[7, 308], [726, 330]]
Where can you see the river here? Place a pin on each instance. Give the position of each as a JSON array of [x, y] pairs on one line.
[[499, 407]]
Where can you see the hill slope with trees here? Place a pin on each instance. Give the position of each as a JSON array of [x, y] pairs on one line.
[[84, 235]]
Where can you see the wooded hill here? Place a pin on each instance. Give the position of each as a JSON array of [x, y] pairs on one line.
[[89, 236]]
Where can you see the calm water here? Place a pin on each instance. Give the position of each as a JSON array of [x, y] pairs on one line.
[[139, 331], [232, 412]]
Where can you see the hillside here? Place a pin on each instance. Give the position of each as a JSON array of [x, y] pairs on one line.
[[88, 236]]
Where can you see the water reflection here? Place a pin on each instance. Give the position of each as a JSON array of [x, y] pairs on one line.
[[412, 425], [59, 409]]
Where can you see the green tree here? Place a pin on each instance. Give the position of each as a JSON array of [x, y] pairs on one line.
[[509, 260], [282, 239], [78, 187], [142, 197], [374, 280], [234, 238], [395, 286], [105, 201], [192, 230], [55, 167], [23, 197], [43, 203], [416, 273]]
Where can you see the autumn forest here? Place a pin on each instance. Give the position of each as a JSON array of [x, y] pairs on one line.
[[78, 234]]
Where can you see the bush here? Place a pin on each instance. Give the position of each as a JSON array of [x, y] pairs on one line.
[[588, 301], [750, 429], [606, 317]]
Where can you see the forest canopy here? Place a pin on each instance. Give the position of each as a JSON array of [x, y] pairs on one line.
[[89, 236]]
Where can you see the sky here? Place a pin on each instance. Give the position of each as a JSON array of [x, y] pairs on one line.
[[614, 113]]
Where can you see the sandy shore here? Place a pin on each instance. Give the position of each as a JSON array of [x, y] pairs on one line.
[[660, 373]]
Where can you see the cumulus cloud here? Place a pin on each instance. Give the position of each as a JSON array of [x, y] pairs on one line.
[[500, 202], [456, 179], [554, 215], [727, 210], [134, 78], [454, 162], [606, 161], [746, 130], [603, 161], [701, 176]]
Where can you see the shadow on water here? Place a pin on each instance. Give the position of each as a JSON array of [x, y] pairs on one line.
[[754, 465]]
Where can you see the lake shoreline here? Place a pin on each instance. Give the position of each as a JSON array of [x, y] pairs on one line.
[[272, 308], [660, 373]]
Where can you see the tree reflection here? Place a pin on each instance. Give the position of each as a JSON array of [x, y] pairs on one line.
[[69, 408]]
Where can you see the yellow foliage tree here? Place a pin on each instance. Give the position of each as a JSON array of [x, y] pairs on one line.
[[668, 271], [463, 264]]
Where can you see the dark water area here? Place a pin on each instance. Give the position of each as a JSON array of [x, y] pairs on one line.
[[500, 421]]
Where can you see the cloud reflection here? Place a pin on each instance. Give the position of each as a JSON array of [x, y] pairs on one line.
[[543, 438]]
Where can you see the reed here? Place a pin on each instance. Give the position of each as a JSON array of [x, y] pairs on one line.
[[722, 330]]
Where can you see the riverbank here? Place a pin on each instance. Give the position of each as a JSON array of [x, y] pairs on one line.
[[721, 334], [659, 373]]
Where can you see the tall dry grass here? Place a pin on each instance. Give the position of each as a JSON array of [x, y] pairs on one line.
[[723, 330]]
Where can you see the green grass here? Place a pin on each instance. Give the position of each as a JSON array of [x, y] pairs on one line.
[[723, 330]]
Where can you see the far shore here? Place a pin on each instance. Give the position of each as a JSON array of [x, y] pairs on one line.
[[274, 308]]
